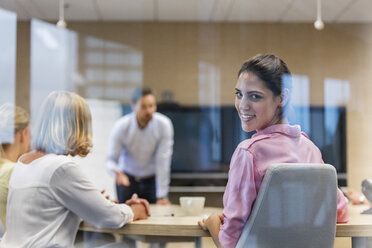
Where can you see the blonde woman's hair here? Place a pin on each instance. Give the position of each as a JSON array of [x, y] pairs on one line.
[[12, 120], [64, 125]]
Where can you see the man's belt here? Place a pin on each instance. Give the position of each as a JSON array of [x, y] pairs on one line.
[[140, 179]]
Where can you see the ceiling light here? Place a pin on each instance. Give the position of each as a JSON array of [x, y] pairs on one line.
[[319, 24], [61, 22]]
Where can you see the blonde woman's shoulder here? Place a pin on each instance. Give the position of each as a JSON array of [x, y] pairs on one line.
[[6, 168]]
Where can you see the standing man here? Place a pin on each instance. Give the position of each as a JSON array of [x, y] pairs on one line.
[[140, 151]]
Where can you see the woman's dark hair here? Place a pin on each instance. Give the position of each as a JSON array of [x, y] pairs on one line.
[[270, 69]]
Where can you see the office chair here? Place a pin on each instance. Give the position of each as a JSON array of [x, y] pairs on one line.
[[296, 207]]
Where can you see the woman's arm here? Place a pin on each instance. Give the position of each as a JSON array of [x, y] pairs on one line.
[[73, 189], [239, 196], [213, 223], [342, 207]]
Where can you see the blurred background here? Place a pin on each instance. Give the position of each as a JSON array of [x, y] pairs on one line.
[[189, 53]]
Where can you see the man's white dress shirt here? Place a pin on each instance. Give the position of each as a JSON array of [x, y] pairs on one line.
[[143, 152]]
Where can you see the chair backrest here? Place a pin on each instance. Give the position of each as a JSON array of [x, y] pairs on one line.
[[295, 207]]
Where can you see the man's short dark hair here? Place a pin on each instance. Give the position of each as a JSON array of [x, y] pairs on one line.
[[139, 93]]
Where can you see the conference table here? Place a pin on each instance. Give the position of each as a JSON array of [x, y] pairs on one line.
[[359, 227], [170, 224], [166, 224]]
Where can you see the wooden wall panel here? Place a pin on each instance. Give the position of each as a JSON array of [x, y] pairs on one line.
[[173, 52]]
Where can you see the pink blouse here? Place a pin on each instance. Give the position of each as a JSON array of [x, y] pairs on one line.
[[280, 143]]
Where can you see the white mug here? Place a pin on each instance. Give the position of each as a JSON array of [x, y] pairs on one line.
[[192, 205]]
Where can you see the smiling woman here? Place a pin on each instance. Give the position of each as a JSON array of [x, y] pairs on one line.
[[262, 97], [257, 106]]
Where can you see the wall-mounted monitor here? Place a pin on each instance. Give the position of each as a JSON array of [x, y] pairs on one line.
[[206, 137]]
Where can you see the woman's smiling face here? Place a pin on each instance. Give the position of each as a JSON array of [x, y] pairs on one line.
[[257, 106]]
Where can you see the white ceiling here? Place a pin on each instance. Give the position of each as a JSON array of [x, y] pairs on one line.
[[194, 10]]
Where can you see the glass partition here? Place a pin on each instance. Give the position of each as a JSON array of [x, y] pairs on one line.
[[192, 68], [102, 71], [8, 44], [53, 62]]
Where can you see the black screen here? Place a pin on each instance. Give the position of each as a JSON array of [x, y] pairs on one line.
[[206, 137]]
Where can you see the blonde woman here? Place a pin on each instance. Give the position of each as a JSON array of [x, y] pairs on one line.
[[14, 141], [48, 192]]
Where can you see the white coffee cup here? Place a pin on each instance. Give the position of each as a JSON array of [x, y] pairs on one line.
[[192, 205]]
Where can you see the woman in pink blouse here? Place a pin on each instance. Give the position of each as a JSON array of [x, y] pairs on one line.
[[262, 94]]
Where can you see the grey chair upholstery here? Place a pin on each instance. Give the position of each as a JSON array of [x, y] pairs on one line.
[[296, 207]]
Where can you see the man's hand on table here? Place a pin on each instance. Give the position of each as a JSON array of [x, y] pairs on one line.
[[140, 207], [163, 201], [122, 179]]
